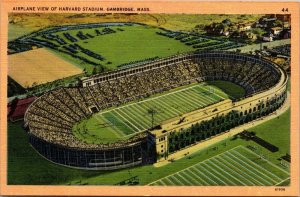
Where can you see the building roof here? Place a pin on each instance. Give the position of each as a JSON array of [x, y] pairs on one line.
[[276, 28], [268, 34], [17, 110]]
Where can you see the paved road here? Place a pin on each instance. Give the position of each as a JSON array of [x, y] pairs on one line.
[[254, 47]]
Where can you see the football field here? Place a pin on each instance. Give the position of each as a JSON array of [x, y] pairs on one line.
[[236, 167], [124, 121]]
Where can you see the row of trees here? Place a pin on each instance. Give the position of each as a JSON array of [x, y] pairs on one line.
[[219, 124]]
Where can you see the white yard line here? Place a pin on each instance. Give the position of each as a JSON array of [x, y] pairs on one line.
[[127, 120], [199, 171], [170, 114], [143, 113], [195, 164], [202, 167], [186, 173], [209, 98], [197, 167], [220, 175], [267, 161], [211, 163], [162, 183], [149, 99], [185, 103], [263, 169], [176, 180], [128, 111], [164, 107], [205, 98], [283, 180], [117, 133], [203, 88], [239, 171], [244, 171], [123, 123], [267, 178], [130, 116], [159, 116], [168, 180], [182, 177], [196, 97], [190, 99], [139, 109], [233, 173]]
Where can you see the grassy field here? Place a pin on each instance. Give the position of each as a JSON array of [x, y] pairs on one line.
[[25, 166], [237, 167], [135, 43], [124, 121], [232, 90], [15, 31]]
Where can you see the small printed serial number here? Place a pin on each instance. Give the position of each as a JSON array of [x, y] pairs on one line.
[[280, 189]]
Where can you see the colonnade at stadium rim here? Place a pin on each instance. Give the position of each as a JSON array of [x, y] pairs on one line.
[[160, 136]]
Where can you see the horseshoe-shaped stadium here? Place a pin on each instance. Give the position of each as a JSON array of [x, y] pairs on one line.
[[50, 119]]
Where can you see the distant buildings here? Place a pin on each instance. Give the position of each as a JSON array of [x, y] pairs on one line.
[[244, 26], [276, 31], [267, 28], [268, 37]]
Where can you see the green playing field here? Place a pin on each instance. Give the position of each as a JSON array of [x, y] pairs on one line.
[[127, 120], [238, 166], [133, 43]]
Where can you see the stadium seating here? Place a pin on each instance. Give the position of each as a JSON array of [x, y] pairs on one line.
[[55, 113]]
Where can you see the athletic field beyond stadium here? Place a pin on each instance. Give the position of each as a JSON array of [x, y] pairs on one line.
[[39, 66], [236, 167]]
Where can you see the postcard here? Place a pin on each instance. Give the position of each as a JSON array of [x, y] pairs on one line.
[[131, 98]]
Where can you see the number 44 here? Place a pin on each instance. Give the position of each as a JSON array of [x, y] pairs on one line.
[[285, 9]]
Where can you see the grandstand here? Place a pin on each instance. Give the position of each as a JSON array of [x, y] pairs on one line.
[[51, 118]]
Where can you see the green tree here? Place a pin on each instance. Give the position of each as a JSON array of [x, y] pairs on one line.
[[278, 23], [258, 31]]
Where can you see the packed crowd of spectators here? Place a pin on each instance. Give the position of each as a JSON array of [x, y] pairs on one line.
[[53, 115], [252, 77]]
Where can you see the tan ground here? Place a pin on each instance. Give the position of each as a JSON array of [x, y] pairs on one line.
[[39, 66], [205, 144]]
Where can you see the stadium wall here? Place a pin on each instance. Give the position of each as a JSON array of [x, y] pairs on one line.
[[112, 159]]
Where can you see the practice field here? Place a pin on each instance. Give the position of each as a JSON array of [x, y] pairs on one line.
[[126, 44], [39, 66], [125, 121], [236, 167]]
